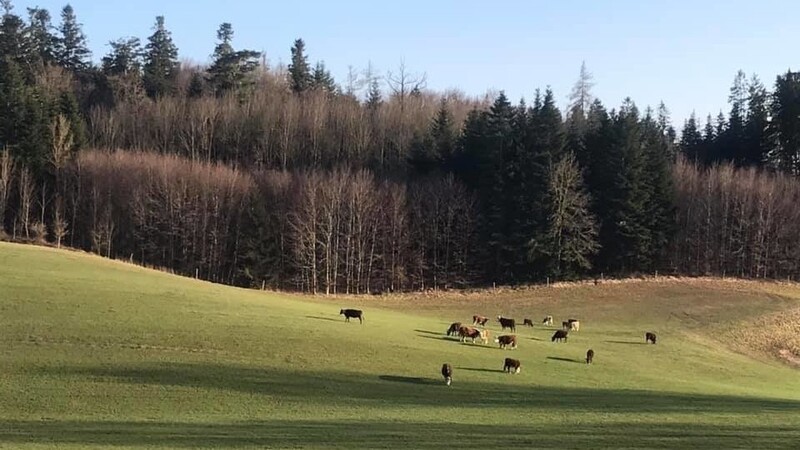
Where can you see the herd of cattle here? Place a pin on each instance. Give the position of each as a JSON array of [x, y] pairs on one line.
[[464, 332]]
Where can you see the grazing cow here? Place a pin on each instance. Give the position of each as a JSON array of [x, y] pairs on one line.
[[650, 337], [507, 323], [574, 325], [352, 313], [479, 320], [589, 356], [473, 333], [453, 330], [565, 325], [511, 365], [560, 335], [548, 321], [506, 341], [527, 322], [447, 373]]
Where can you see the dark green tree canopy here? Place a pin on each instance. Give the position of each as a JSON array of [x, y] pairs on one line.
[[231, 70], [160, 61], [72, 51], [300, 77]]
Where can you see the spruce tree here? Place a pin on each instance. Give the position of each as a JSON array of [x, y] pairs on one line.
[[692, 141], [322, 79], [160, 62], [124, 57], [758, 142], [231, 70], [15, 44], [733, 139], [374, 96], [300, 78], [72, 52], [785, 125], [44, 42]]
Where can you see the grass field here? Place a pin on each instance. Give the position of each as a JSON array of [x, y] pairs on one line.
[[98, 354]]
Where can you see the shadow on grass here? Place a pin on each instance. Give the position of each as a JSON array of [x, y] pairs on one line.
[[439, 337], [383, 434], [474, 369], [430, 332], [556, 358], [325, 318], [410, 380], [627, 342], [332, 388]]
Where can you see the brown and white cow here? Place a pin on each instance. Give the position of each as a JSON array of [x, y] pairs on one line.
[[574, 325], [511, 365], [548, 321], [473, 333], [650, 337], [447, 373], [479, 320], [507, 341]]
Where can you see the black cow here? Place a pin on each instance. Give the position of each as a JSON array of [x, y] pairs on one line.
[[589, 356], [507, 323], [447, 373], [566, 325], [527, 322], [650, 337], [352, 313], [453, 330], [560, 335], [511, 365]]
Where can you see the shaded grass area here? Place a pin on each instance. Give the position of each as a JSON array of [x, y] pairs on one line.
[[336, 434]]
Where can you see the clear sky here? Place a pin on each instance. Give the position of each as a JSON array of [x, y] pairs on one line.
[[685, 53]]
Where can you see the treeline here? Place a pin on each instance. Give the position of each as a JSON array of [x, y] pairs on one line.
[[253, 175]]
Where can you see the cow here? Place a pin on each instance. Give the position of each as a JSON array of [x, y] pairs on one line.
[[527, 322], [560, 335], [565, 325], [511, 365], [447, 373], [473, 333], [479, 320], [507, 323], [650, 337], [506, 341], [548, 321], [574, 325], [453, 330], [352, 313], [589, 356]]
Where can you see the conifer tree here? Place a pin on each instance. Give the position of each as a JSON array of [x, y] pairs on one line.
[[43, 41], [300, 78], [322, 79], [72, 52], [160, 62], [785, 125], [15, 44], [758, 142], [124, 57], [231, 69], [692, 140]]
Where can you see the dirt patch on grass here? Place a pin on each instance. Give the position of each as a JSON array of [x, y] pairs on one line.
[[776, 335]]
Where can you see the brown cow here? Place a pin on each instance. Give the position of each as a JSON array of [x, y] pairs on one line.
[[507, 323], [507, 341], [352, 313], [527, 322], [453, 330], [479, 320], [560, 335], [589, 356], [473, 333], [511, 365], [650, 337], [447, 373]]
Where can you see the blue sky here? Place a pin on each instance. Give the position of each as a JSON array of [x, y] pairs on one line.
[[685, 53]]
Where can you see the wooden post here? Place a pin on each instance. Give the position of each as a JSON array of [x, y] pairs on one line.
[[548, 281], [263, 285], [196, 273]]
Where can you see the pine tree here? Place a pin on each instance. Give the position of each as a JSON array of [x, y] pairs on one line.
[[300, 78], [374, 96], [733, 139], [15, 44], [757, 139], [197, 86], [692, 141], [124, 57], [44, 42], [322, 79], [580, 100], [72, 52], [785, 125], [160, 62], [659, 211], [231, 69], [436, 150]]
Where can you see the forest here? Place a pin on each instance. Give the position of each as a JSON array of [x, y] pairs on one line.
[[283, 178]]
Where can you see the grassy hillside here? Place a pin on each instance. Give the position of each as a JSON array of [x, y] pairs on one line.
[[95, 353]]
